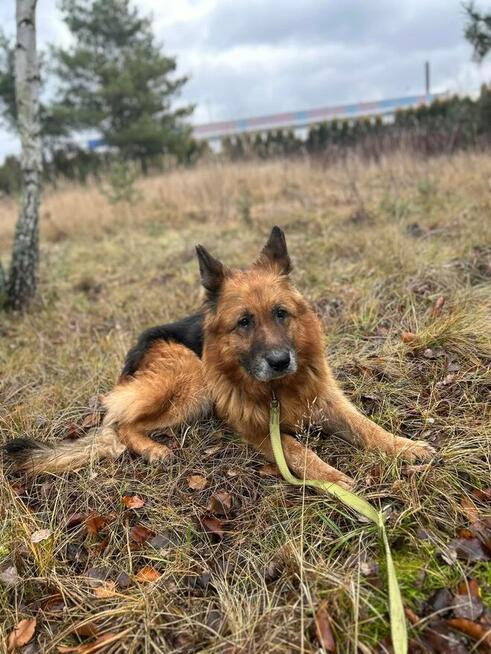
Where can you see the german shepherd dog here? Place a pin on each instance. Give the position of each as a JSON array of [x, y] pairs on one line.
[[255, 335]]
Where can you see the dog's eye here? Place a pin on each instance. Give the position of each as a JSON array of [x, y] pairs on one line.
[[281, 313], [245, 321]]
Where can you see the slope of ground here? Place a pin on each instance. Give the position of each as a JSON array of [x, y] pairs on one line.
[[400, 246]]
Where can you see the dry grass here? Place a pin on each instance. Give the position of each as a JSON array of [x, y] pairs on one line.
[[374, 246]]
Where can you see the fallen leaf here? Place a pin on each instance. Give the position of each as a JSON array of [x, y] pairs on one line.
[[269, 470], [470, 509], [73, 431], [473, 629], [75, 519], [213, 525], [409, 337], [437, 307], [482, 530], [95, 523], [53, 603], [147, 574], [97, 575], [161, 541], [197, 482], [442, 641], [10, 576], [22, 633], [323, 628], [133, 501], [482, 494], [86, 630], [467, 549], [123, 580], [107, 589], [440, 600], [220, 503], [469, 587], [467, 606], [40, 535], [140, 534], [92, 420]]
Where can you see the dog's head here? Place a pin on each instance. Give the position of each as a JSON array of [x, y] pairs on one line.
[[257, 323]]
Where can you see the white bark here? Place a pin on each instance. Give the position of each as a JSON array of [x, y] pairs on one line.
[[22, 279]]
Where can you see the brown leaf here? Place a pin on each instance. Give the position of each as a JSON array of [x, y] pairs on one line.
[[323, 628], [73, 431], [213, 525], [437, 307], [86, 630], [269, 470], [88, 648], [220, 503], [473, 629], [197, 482], [22, 634], [482, 494], [469, 587], [95, 523], [470, 509], [107, 589], [133, 501], [140, 534], [92, 420], [409, 337], [40, 535], [147, 574]]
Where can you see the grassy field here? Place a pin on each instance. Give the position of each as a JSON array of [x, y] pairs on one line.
[[400, 246]]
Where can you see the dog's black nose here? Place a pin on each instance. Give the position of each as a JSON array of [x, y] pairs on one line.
[[278, 359]]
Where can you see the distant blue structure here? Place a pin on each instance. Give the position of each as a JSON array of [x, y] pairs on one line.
[[94, 144], [299, 119]]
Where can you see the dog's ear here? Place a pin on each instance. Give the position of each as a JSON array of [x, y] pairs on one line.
[[275, 252], [212, 273]]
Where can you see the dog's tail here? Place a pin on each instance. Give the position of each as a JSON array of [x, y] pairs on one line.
[[34, 458]]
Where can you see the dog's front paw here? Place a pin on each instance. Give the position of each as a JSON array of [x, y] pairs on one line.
[[157, 453], [413, 451], [346, 482]]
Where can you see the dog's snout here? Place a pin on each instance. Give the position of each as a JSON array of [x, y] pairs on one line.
[[278, 360]]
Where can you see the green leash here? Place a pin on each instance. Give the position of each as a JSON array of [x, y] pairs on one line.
[[397, 620]]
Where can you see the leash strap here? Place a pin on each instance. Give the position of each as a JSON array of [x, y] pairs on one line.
[[397, 620]]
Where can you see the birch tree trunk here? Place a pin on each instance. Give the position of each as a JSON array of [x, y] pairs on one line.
[[22, 278]]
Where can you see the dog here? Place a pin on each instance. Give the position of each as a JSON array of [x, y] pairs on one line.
[[255, 336]]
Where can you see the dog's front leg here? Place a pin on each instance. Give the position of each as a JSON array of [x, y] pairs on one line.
[[338, 416], [302, 461]]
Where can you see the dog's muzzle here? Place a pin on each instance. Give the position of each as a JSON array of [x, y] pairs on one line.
[[274, 364]]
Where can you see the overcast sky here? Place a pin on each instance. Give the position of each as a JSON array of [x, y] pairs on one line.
[[251, 57]]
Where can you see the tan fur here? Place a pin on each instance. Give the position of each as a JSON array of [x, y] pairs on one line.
[[173, 386]]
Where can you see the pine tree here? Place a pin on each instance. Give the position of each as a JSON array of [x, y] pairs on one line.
[[115, 79], [478, 31]]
